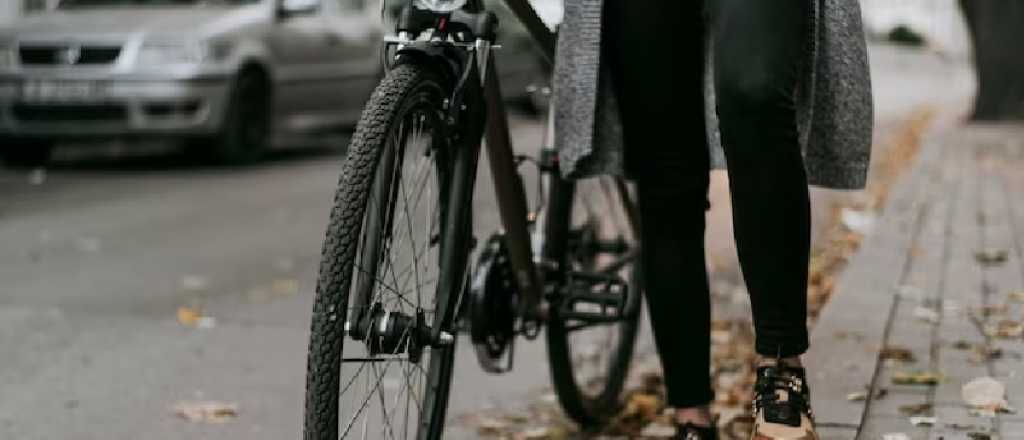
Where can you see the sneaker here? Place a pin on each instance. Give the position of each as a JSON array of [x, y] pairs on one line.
[[689, 431], [782, 405]]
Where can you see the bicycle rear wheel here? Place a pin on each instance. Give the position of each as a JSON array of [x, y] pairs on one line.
[[589, 231], [376, 368]]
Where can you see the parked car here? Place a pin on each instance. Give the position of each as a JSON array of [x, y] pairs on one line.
[[223, 75]]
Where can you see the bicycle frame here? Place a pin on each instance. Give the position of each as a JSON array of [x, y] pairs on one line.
[[508, 186], [526, 262]]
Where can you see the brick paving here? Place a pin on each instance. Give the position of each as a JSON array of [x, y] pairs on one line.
[[918, 283]]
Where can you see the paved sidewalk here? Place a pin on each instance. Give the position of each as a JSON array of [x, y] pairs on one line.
[[941, 275]]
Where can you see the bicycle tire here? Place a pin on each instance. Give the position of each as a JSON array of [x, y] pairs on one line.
[[589, 408], [406, 87]]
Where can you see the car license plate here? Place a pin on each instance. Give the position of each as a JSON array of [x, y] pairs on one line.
[[61, 90]]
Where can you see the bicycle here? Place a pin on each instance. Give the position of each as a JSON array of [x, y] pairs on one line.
[[396, 284]]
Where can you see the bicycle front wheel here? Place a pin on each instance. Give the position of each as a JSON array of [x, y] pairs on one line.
[[589, 233], [377, 368]]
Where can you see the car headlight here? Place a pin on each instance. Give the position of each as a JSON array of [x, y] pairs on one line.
[[158, 53], [440, 5]]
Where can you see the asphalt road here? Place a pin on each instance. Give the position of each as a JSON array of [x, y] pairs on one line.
[[96, 261]]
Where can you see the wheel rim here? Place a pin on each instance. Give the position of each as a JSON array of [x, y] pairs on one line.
[[599, 355], [384, 394]]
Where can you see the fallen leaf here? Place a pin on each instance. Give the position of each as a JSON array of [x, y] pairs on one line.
[[992, 256], [916, 378], [982, 354], [490, 426], [923, 421], [980, 436], [962, 345], [658, 430], [958, 426], [206, 322], [195, 318], [881, 393], [981, 412], [206, 411], [985, 393], [1005, 329], [284, 287], [1017, 296], [993, 310], [927, 314], [896, 353], [542, 433], [916, 409], [188, 316], [861, 222], [858, 396]]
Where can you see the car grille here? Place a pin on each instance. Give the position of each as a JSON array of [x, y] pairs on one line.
[[69, 112], [68, 55]]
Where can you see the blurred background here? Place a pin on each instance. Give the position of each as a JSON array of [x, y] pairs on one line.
[[168, 167]]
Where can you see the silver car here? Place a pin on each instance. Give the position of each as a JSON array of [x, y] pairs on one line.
[[225, 75]]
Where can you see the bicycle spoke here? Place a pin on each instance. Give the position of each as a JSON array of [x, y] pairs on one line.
[[404, 267], [383, 408]]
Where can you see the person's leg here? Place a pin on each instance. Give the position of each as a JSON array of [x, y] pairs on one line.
[[759, 45], [758, 53], [655, 49]]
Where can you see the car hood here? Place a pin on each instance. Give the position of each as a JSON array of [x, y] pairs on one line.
[[84, 22]]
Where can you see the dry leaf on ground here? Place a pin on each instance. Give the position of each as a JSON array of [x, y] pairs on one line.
[[1005, 329], [916, 409], [927, 314], [920, 421], [195, 318], [986, 394], [916, 378], [861, 222], [206, 411], [490, 426], [991, 257], [658, 430], [284, 287], [897, 353]]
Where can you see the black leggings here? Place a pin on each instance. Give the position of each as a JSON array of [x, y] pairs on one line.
[[656, 51]]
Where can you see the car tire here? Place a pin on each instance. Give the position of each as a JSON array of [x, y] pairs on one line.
[[25, 153], [246, 130]]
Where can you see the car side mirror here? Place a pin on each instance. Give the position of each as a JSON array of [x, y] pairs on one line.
[[291, 8]]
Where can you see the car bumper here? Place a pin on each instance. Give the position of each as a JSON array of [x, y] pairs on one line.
[[121, 107]]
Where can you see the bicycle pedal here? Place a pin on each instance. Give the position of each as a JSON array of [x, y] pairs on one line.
[[594, 297]]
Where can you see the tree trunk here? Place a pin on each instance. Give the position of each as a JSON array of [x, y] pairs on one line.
[[997, 30]]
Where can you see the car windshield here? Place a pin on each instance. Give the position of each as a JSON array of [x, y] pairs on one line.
[[88, 3]]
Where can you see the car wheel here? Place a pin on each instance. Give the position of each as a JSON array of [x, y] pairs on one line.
[[246, 131], [22, 153]]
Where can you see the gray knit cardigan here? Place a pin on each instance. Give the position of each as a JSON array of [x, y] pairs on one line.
[[833, 100]]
